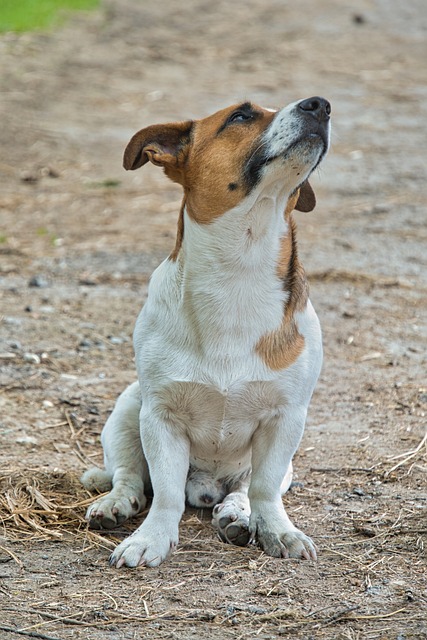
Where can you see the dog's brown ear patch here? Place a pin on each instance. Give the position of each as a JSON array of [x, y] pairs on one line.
[[307, 199], [161, 144]]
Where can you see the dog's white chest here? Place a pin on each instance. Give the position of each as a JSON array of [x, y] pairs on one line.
[[220, 423]]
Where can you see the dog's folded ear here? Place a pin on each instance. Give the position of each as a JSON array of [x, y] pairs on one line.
[[162, 144], [306, 199]]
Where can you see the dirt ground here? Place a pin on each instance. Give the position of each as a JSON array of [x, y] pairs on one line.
[[79, 238]]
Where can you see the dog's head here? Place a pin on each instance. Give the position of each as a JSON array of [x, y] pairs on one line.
[[226, 157]]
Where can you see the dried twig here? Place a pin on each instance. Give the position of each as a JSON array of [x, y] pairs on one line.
[[408, 456], [12, 555], [31, 634]]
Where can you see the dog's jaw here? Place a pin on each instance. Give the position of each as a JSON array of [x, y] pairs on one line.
[[290, 149]]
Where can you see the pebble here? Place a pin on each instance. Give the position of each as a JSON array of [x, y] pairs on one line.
[[359, 18], [32, 358], [12, 321], [93, 410], [26, 440], [30, 178], [381, 207], [358, 492], [38, 281]]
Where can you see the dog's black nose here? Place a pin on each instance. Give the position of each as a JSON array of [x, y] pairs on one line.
[[319, 108]]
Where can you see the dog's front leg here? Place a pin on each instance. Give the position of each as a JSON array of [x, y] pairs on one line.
[[274, 444], [167, 451]]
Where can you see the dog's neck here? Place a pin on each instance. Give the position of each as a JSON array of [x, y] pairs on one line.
[[234, 273]]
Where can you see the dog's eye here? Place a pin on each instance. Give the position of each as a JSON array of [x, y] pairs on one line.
[[245, 113], [240, 116]]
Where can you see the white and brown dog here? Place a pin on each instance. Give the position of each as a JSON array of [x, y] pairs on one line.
[[228, 346]]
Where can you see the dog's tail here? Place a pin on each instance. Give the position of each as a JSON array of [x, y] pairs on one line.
[[96, 479]]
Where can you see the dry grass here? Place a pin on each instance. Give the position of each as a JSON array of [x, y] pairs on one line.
[[40, 506], [410, 460], [36, 506]]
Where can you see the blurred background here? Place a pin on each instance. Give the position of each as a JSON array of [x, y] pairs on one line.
[[79, 236]]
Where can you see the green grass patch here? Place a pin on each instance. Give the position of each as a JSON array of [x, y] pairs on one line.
[[109, 183], [28, 15]]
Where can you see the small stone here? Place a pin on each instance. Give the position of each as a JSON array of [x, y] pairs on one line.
[[381, 207], [296, 485], [49, 172], [93, 410], [12, 321], [47, 404], [30, 178], [358, 492], [29, 440], [32, 358], [257, 610], [38, 281], [359, 18]]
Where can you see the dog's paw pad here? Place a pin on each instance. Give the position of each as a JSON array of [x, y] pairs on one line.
[[99, 521], [234, 529], [237, 533]]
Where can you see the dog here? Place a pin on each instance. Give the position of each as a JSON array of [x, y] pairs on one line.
[[228, 346]]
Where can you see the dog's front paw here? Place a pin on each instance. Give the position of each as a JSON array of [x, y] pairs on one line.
[[289, 542], [147, 549], [113, 509]]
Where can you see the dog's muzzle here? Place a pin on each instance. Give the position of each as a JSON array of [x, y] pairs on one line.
[[316, 113]]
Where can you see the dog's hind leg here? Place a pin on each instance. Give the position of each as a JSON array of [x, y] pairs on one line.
[[231, 516], [126, 470]]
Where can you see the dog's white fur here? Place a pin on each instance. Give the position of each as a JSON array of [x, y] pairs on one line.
[[210, 420]]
